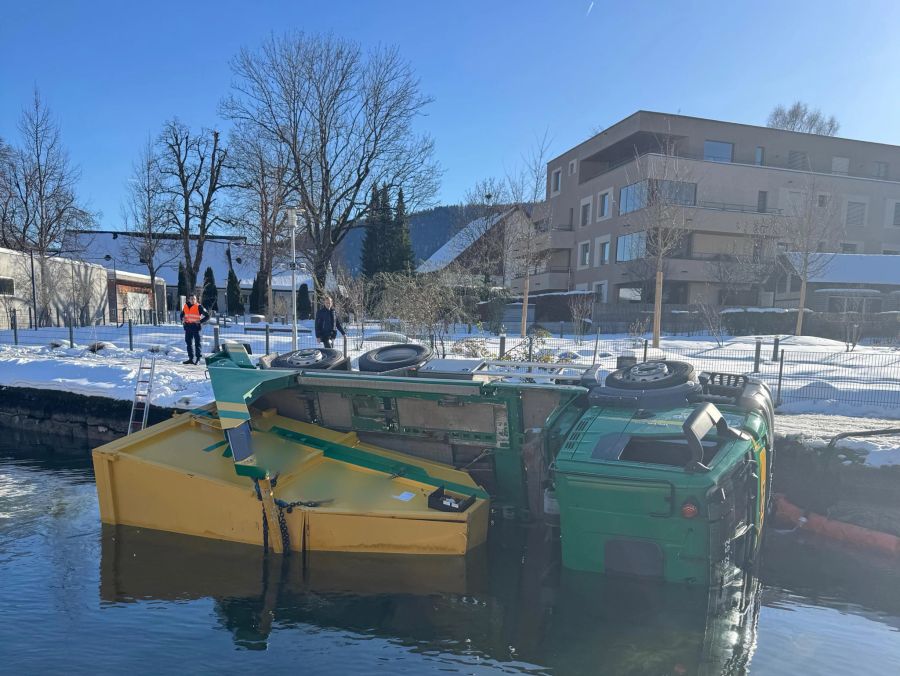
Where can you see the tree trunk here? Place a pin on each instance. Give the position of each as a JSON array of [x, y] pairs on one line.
[[800, 307], [320, 273], [154, 309], [525, 286], [657, 308]]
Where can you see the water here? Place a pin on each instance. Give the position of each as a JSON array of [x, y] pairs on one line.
[[78, 598]]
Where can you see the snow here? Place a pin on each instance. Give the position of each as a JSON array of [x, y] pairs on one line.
[[817, 430]]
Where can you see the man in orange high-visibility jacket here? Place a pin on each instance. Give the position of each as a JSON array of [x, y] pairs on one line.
[[193, 316]]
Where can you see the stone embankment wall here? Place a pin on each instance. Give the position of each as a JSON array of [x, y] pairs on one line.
[[96, 420]]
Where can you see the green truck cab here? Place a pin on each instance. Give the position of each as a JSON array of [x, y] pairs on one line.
[[664, 475]]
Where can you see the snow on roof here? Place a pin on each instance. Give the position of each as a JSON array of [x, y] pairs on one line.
[[851, 268], [122, 248], [461, 241]]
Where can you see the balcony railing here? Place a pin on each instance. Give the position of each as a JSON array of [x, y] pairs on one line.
[[741, 208]]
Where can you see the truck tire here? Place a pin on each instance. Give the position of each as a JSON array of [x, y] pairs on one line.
[[308, 358], [396, 356], [651, 375]]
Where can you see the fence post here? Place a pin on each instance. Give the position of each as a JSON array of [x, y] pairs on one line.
[[502, 345], [267, 339], [345, 345], [780, 376], [130, 335], [530, 348], [775, 349], [646, 342], [756, 355], [215, 339], [596, 347], [560, 330], [71, 334], [15, 327]]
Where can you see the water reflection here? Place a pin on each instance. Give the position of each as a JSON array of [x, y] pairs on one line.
[[509, 603]]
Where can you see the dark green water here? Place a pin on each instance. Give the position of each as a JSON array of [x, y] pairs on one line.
[[78, 598]]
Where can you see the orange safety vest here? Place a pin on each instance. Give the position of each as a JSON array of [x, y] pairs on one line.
[[191, 313]]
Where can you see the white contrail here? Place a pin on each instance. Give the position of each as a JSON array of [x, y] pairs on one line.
[[590, 7]]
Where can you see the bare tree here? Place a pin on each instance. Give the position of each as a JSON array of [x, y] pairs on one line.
[[191, 169], [346, 117], [260, 179], [659, 194], [38, 202], [581, 306], [811, 230], [150, 242], [800, 117], [355, 296], [750, 262]]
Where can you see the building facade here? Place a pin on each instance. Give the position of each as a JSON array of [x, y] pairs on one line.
[[728, 177]]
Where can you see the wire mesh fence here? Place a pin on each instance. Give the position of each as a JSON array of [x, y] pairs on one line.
[[864, 377]]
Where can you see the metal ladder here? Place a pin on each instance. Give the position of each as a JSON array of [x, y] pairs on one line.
[[140, 406]]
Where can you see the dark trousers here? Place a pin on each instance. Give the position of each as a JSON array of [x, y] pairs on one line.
[[192, 340], [327, 342]]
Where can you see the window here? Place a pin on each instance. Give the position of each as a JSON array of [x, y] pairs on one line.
[[601, 249], [7, 286], [638, 195], [760, 157], [856, 214], [718, 151], [880, 169], [585, 212], [628, 294], [584, 255], [896, 220], [891, 252], [555, 181], [631, 247], [762, 201], [600, 291], [572, 166], [797, 159], [849, 247], [603, 205], [822, 200], [840, 165]]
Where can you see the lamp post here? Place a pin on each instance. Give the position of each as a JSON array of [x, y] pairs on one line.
[[292, 217]]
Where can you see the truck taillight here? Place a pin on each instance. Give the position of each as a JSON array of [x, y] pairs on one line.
[[689, 509]]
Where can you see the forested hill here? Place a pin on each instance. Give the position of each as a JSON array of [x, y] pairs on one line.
[[428, 230]]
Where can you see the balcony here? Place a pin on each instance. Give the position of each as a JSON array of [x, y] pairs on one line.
[[739, 208]]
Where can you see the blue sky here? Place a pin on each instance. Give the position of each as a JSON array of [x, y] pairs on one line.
[[500, 73]]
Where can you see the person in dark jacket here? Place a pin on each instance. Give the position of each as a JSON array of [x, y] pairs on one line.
[[193, 317], [328, 323]]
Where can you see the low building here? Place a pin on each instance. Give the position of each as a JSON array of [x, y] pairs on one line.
[[840, 283], [51, 291], [130, 296]]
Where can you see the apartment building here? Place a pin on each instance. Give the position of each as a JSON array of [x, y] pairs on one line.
[[729, 176]]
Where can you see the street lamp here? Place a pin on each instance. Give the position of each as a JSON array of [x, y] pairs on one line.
[[292, 219]]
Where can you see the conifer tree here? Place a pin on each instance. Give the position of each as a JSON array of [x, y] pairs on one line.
[[262, 293], [210, 297], [371, 251], [254, 296], [304, 306], [183, 286], [400, 251], [233, 295]]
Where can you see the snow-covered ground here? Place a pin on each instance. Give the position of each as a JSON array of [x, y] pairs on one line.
[[825, 389]]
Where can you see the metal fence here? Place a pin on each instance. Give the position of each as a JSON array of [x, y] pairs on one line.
[[796, 375]]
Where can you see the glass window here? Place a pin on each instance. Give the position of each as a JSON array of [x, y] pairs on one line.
[[718, 151], [856, 214], [880, 170], [585, 213], [572, 166], [760, 157], [584, 254], [675, 192], [602, 205], [603, 253], [848, 247], [556, 180], [797, 159], [633, 197], [631, 247], [840, 165], [629, 294], [822, 200], [891, 252], [600, 291], [896, 220], [762, 201], [7, 286]]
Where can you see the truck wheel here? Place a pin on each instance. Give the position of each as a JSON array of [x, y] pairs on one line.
[[396, 356], [308, 358], [651, 375]]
